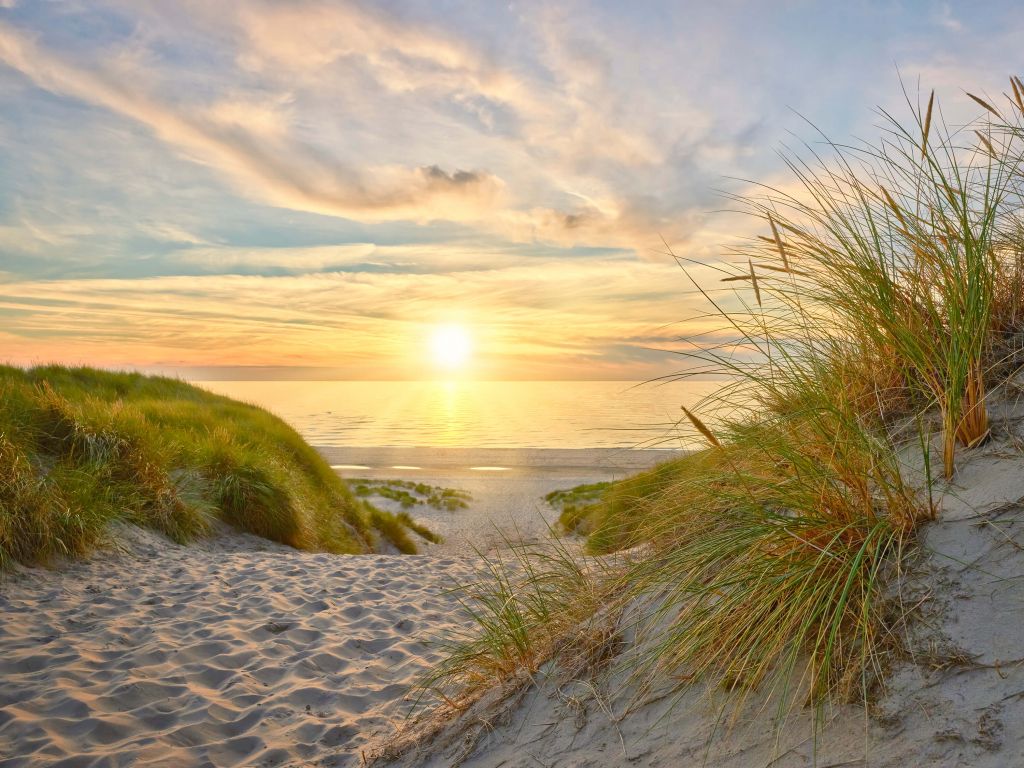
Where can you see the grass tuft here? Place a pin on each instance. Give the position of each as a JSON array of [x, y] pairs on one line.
[[82, 448], [528, 600], [888, 292], [410, 494]]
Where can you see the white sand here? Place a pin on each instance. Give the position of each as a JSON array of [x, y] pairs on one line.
[[232, 652], [240, 652]]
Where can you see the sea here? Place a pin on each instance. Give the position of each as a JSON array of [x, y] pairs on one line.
[[618, 415]]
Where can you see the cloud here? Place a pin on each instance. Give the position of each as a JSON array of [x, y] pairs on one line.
[[613, 224], [298, 260], [311, 35], [567, 128], [288, 175], [358, 318], [570, 133], [943, 16], [495, 161]]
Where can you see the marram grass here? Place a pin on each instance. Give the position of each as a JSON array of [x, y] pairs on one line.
[[526, 603], [899, 252], [881, 301], [81, 448]]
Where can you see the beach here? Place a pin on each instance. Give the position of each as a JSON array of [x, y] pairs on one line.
[[511, 385], [236, 651], [507, 485], [230, 652]]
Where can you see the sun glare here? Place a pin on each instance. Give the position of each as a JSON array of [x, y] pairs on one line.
[[451, 346]]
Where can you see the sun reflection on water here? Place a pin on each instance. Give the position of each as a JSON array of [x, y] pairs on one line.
[[464, 413]]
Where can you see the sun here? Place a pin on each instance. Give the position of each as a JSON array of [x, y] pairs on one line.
[[450, 346]]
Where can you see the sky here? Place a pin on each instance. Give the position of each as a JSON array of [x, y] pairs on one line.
[[308, 189]]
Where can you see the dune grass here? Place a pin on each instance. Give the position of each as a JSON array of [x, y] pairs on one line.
[[896, 250], [880, 301], [574, 505], [409, 494], [525, 605], [81, 448]]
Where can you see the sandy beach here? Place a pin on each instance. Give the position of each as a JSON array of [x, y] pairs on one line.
[[239, 652], [507, 485], [231, 652], [236, 651], [511, 385]]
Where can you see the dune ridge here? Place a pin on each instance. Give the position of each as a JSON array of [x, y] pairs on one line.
[[953, 698]]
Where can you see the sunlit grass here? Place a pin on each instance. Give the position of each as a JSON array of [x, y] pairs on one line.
[[409, 494], [81, 448], [525, 604], [886, 292]]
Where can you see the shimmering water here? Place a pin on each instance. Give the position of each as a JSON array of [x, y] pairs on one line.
[[492, 414]]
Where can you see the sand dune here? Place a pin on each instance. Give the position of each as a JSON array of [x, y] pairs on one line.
[[233, 652], [239, 652], [955, 699]]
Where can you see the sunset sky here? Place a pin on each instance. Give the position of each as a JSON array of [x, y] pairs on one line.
[[304, 189]]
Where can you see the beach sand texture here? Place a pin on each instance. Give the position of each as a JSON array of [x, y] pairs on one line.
[[228, 653], [236, 651], [239, 652]]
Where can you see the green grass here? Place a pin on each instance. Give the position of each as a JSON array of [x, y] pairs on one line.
[[525, 604], [575, 504], [81, 448], [420, 530], [410, 494], [611, 515], [882, 292]]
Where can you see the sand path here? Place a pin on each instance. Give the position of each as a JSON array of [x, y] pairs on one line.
[[232, 652]]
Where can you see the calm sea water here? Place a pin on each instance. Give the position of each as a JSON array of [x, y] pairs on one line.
[[491, 414]]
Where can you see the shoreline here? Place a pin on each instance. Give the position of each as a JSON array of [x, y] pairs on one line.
[[413, 461], [507, 485]]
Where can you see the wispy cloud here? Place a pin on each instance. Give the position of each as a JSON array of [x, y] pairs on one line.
[[565, 124], [327, 319], [318, 181], [294, 176]]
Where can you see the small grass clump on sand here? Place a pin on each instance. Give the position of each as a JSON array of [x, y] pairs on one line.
[[81, 448], [526, 603], [610, 518], [410, 494], [396, 528], [574, 504], [880, 302]]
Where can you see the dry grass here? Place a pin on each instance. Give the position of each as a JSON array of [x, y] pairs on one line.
[[898, 250], [531, 604], [888, 288]]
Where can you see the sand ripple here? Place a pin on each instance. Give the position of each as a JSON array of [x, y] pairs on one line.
[[233, 653]]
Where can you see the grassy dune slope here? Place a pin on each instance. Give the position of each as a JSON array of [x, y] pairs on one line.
[[864, 332], [613, 517], [80, 448]]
